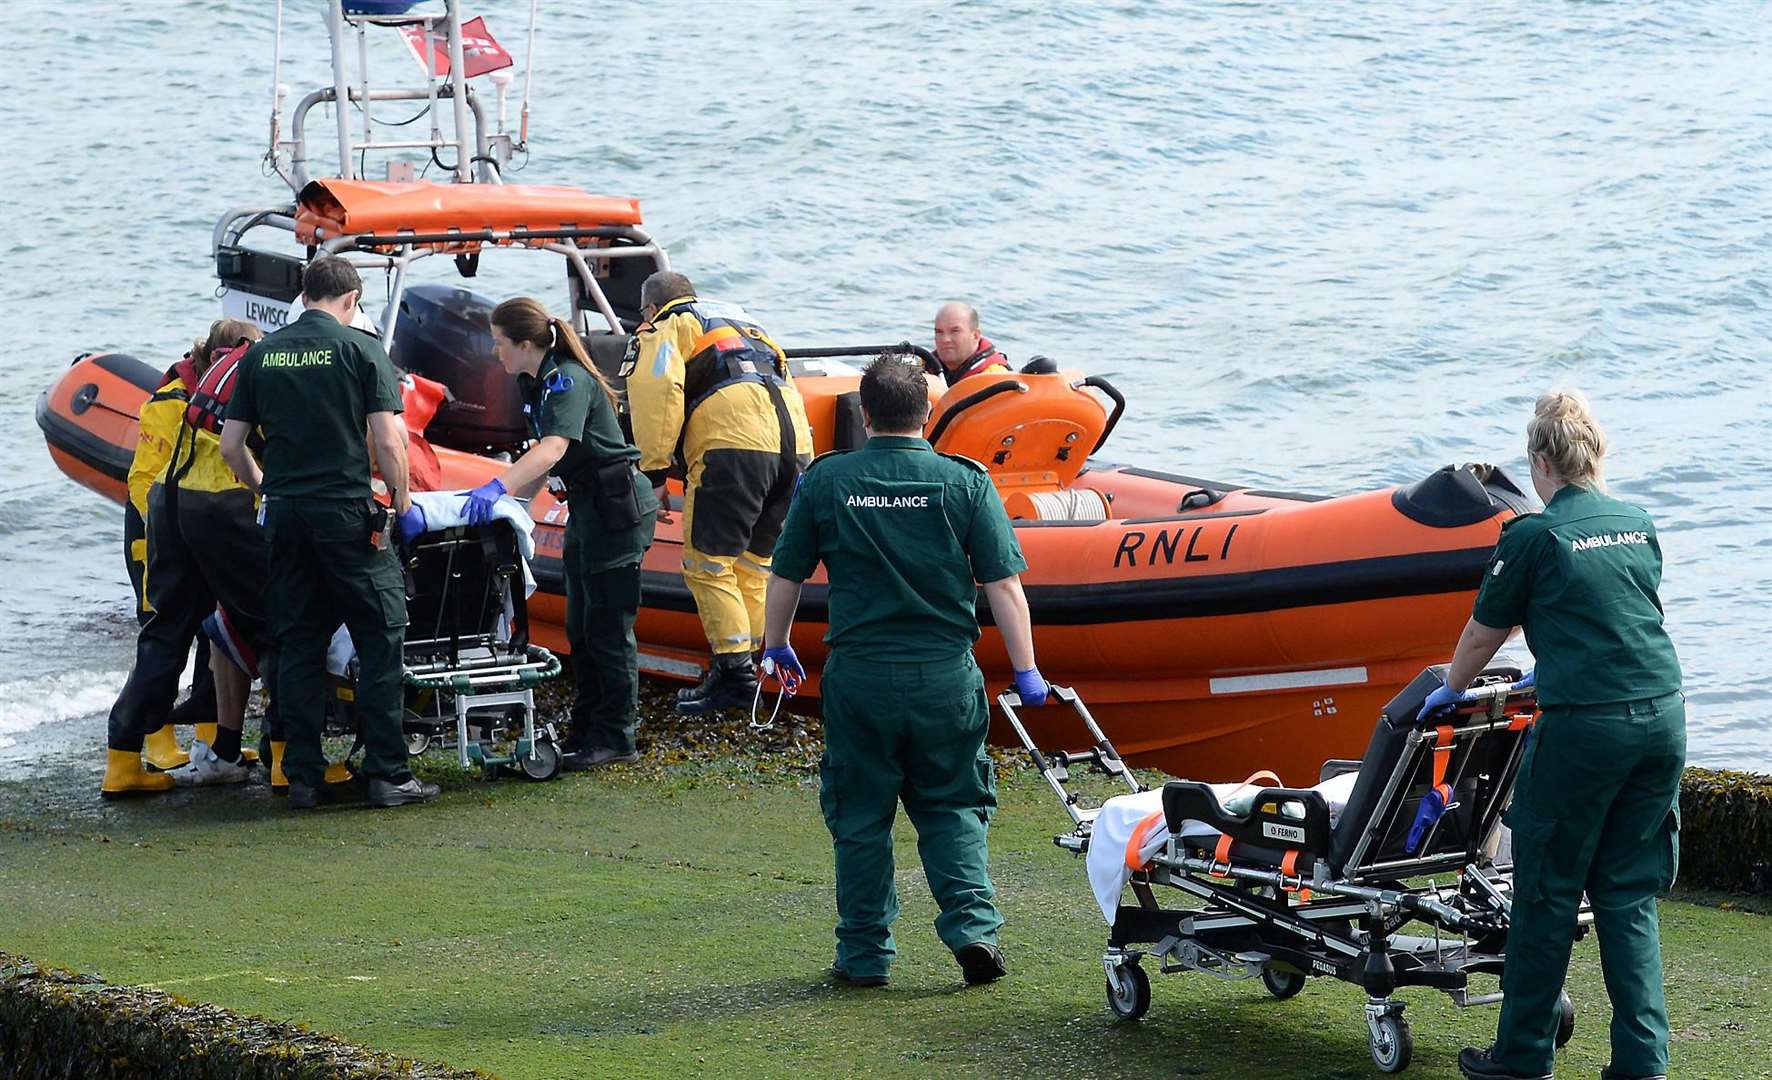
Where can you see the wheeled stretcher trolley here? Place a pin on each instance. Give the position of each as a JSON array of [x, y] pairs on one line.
[[1383, 875], [468, 665]]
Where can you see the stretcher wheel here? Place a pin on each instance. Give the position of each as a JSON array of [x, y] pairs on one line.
[[1393, 1045], [1565, 1020], [1282, 984], [415, 728], [544, 765], [1133, 999]]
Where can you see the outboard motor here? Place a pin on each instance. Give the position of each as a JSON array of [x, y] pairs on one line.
[[445, 333]]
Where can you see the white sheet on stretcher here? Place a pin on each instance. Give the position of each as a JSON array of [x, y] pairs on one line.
[[1120, 816], [443, 510]]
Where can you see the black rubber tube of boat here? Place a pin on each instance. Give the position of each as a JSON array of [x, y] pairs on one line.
[[930, 363], [1114, 417], [991, 391]]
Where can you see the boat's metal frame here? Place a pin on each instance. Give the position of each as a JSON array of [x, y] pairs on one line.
[[482, 150]]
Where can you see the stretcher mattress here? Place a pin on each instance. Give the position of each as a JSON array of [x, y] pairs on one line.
[[1129, 829]]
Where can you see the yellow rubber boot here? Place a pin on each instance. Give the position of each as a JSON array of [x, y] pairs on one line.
[[339, 773], [206, 733], [279, 782], [162, 749], [126, 778]]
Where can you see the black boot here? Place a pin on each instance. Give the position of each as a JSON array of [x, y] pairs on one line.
[[731, 683], [1477, 1063]]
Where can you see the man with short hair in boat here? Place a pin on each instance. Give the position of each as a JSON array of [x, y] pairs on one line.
[[962, 350], [904, 702]]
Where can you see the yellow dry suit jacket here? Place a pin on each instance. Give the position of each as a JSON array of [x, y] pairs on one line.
[[165, 445], [699, 379], [157, 429]]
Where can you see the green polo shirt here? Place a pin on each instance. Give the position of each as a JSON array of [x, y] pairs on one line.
[[311, 387], [905, 535], [1581, 578], [564, 399]]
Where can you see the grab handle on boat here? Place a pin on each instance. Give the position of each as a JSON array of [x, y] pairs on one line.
[[947, 418], [931, 365], [1114, 417]]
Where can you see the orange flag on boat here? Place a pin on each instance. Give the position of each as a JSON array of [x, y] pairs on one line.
[[480, 51]]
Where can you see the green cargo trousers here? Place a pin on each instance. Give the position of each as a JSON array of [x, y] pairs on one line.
[[912, 732], [323, 571], [600, 610], [1596, 809]]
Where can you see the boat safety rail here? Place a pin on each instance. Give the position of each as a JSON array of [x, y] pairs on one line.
[[1055, 765], [540, 666], [516, 235], [903, 348]]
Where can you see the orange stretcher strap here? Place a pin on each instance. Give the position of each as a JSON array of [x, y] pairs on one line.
[[1442, 760], [1262, 775], [1289, 867], [1222, 853], [1135, 846]]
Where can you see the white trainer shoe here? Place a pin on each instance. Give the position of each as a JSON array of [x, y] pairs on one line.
[[206, 768]]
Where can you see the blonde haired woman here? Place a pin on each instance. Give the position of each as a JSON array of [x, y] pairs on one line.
[[1596, 808]]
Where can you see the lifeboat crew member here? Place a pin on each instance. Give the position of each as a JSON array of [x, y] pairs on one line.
[[157, 426], [172, 601], [707, 384], [1597, 805], [316, 388], [962, 350], [573, 416], [904, 702]]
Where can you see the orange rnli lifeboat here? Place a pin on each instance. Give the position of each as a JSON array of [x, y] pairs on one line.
[[1213, 629]]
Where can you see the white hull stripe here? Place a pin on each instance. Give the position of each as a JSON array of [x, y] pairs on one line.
[[1290, 680]]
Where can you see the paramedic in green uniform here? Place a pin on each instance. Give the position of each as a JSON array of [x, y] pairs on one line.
[[904, 534], [572, 414], [1596, 808], [322, 393]]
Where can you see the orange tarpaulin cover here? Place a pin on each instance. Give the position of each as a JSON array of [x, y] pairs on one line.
[[421, 398], [332, 208]]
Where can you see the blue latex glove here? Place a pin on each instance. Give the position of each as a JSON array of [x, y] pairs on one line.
[[1433, 807], [410, 524], [1031, 687], [479, 502], [1441, 701], [785, 666], [1528, 681]]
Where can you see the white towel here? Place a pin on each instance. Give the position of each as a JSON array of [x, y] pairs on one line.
[[1115, 823], [447, 509]]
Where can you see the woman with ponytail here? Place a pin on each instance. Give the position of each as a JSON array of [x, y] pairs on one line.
[[1596, 805], [572, 415]]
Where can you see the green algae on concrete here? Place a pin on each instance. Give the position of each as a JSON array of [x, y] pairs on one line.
[[676, 917]]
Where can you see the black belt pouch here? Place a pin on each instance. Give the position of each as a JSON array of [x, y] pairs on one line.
[[616, 504]]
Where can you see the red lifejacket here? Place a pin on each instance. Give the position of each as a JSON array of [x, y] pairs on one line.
[[985, 358], [210, 394]]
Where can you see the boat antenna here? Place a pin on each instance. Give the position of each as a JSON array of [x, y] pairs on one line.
[[528, 78], [276, 87]]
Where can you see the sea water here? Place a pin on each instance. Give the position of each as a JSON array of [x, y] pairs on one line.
[[1320, 247]]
